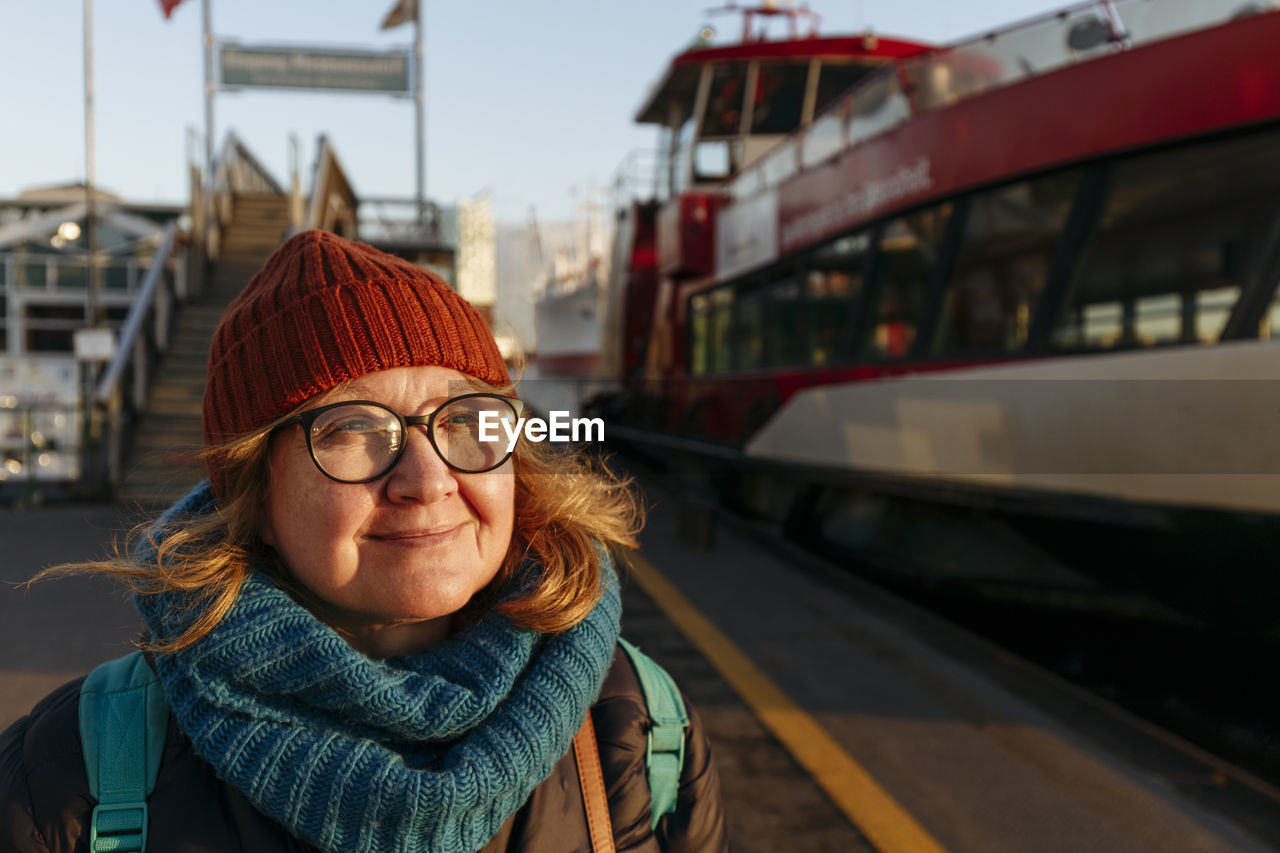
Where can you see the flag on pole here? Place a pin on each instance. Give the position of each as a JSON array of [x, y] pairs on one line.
[[404, 12], [167, 6]]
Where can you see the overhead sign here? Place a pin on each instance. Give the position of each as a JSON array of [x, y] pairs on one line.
[[385, 72]]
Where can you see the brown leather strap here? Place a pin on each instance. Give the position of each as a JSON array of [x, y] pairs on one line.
[[591, 778]]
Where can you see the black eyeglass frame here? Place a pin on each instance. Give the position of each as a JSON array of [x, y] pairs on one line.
[[307, 418]]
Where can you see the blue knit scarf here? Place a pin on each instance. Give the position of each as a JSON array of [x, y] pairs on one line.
[[426, 752]]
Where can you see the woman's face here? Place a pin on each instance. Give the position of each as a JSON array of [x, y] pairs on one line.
[[392, 559]]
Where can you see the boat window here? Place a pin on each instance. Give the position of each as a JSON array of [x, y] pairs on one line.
[[723, 116], [51, 328], [698, 311], [1213, 309], [710, 319], [712, 160], [1158, 319], [779, 97], [908, 253], [1010, 236], [784, 336], [1180, 232], [749, 308], [877, 105], [30, 272], [834, 279], [1102, 324], [719, 327], [751, 325], [1269, 327], [834, 80]]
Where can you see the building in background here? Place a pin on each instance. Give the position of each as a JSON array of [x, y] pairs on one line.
[[46, 296], [476, 282]]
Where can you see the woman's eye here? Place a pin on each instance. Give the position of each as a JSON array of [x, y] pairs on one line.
[[346, 430], [339, 427], [458, 421], [355, 426]]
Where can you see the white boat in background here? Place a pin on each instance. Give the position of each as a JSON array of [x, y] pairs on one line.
[[573, 265], [567, 324]]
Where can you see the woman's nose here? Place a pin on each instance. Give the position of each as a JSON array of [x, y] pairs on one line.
[[420, 474]]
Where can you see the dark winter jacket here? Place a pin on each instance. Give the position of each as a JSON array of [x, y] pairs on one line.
[[45, 805]]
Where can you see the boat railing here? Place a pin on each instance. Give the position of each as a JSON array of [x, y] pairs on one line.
[[399, 219], [641, 177], [948, 75], [41, 275]]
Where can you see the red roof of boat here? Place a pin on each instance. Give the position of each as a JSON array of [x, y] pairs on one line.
[[681, 72]]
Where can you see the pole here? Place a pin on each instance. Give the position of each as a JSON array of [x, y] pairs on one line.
[[90, 217], [208, 95], [419, 102]]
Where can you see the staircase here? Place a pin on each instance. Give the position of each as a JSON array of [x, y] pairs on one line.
[[163, 464]]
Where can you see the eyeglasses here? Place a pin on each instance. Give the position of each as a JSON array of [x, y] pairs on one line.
[[358, 441]]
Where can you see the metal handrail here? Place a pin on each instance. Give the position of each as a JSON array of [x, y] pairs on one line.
[[133, 321]]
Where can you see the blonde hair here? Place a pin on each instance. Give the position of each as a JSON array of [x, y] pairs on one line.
[[567, 506]]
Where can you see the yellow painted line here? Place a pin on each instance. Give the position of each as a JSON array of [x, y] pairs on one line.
[[884, 822]]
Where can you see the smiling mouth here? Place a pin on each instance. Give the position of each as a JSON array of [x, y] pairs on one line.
[[434, 536]]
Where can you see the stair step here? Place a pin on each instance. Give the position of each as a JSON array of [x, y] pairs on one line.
[[190, 354], [193, 332], [185, 370], [174, 407], [172, 392], [201, 313]]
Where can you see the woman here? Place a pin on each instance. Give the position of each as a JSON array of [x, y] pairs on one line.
[[374, 630]]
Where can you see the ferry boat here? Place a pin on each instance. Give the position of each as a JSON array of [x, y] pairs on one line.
[[566, 316], [1031, 274]]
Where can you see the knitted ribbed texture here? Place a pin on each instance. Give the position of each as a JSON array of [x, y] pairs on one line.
[[324, 310], [427, 752]]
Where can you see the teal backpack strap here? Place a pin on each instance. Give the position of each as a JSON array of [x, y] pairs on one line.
[[664, 757], [123, 717]]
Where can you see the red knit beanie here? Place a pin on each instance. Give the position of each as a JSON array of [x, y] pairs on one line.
[[324, 310]]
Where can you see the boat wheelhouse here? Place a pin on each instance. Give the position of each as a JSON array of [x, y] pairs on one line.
[[721, 110]]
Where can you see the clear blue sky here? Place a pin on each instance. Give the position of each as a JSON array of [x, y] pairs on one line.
[[524, 99]]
